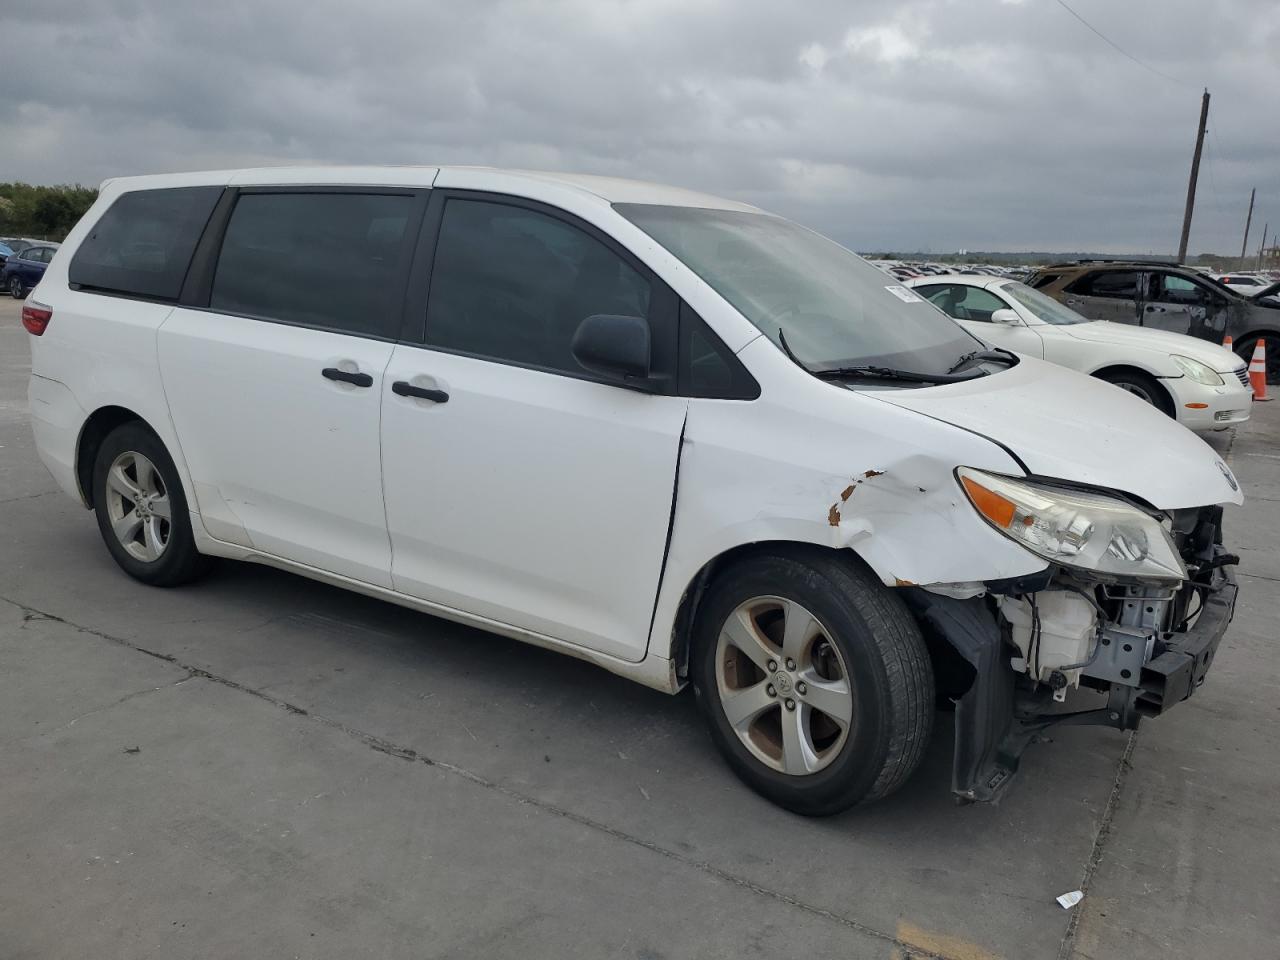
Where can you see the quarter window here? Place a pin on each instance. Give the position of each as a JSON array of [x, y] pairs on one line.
[[514, 284], [142, 245], [327, 260]]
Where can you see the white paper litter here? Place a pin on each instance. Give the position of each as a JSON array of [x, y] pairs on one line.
[[1069, 900]]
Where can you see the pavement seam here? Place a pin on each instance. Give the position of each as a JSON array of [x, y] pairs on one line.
[[909, 951], [1099, 842]]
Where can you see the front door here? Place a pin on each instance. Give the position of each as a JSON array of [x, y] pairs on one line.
[[1182, 305], [519, 487], [275, 387]]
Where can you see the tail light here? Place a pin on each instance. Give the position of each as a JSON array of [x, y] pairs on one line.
[[36, 317]]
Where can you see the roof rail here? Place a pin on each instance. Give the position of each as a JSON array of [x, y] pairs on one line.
[[1160, 261]]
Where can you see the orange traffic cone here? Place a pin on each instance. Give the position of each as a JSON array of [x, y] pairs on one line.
[[1258, 371], [1227, 341]]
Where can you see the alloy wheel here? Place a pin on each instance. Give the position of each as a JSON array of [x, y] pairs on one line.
[[138, 506], [783, 685]]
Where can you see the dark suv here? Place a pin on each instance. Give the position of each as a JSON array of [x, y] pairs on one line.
[[1165, 296]]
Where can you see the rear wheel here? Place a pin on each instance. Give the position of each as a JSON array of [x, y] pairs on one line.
[[814, 680], [16, 290], [1143, 387], [1272, 342], [141, 509]]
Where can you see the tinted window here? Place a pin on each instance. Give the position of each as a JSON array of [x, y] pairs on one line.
[[707, 368], [514, 284], [1116, 284], [962, 301], [142, 245], [318, 259]]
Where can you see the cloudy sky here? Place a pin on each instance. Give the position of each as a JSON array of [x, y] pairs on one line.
[[898, 124]]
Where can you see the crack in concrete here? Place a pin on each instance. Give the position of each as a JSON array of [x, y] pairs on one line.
[[1099, 843], [30, 496], [909, 950]]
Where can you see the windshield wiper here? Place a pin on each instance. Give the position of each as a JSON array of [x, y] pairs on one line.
[[872, 371], [996, 353]]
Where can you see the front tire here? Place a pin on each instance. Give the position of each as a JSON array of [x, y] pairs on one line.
[[16, 290], [1143, 387], [814, 680], [141, 510], [1245, 352]]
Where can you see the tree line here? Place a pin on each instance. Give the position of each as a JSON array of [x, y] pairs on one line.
[[45, 213]]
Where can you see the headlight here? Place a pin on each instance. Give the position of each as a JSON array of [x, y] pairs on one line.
[[1197, 371], [1082, 530]]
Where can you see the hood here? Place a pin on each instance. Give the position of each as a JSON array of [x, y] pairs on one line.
[[1100, 331], [1067, 426]]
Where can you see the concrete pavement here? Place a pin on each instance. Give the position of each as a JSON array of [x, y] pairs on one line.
[[262, 765]]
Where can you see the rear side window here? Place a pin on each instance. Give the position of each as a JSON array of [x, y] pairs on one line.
[[142, 245], [1115, 284], [514, 284], [1044, 279], [326, 260]]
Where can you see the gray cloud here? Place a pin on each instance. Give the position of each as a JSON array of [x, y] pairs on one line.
[[919, 124]]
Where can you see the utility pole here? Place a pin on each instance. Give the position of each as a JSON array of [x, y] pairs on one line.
[[1263, 247], [1195, 175], [1247, 220]]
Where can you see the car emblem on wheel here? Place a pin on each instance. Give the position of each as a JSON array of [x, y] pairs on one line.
[[1226, 472]]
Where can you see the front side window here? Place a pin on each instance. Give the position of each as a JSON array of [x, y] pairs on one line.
[[142, 245], [962, 301], [325, 260], [513, 284], [832, 307], [1110, 284], [1171, 288]]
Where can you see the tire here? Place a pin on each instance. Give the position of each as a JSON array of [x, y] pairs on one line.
[[858, 631], [1141, 386], [16, 289], [1245, 351], [134, 485]]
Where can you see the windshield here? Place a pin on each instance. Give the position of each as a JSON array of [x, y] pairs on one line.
[[834, 308], [1042, 305]]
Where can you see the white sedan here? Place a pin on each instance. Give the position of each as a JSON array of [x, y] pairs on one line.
[[1200, 384]]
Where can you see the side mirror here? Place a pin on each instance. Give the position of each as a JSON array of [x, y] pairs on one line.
[[1006, 316], [613, 345]]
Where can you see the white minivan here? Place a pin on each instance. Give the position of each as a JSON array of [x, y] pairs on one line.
[[671, 434]]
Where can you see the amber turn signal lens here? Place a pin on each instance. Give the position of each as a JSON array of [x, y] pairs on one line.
[[990, 504]]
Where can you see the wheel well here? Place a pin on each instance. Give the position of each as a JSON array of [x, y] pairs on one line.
[[1245, 338], [1165, 397], [95, 430], [687, 612]]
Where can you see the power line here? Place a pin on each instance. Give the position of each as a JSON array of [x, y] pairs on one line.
[[1119, 49]]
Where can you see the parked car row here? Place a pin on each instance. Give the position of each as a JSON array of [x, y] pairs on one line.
[[1200, 384], [1160, 295], [910, 269], [670, 434]]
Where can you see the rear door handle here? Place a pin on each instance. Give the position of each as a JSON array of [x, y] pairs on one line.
[[358, 379], [403, 388]]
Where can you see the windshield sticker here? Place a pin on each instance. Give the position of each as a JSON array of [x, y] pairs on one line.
[[903, 294]]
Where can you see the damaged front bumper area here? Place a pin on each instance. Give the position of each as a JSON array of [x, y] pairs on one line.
[[1055, 648]]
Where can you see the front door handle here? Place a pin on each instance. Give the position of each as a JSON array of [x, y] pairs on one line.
[[358, 379], [403, 388]]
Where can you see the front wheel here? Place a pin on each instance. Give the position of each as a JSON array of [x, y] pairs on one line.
[[1143, 387], [16, 290], [814, 679], [141, 510]]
